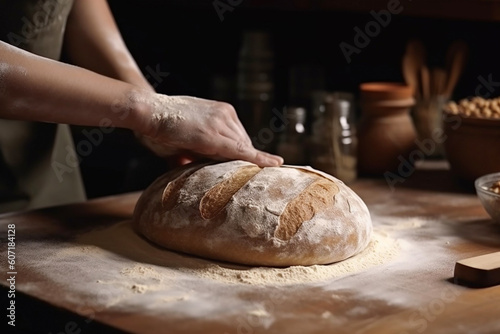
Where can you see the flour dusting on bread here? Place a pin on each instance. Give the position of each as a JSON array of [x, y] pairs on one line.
[[235, 211]]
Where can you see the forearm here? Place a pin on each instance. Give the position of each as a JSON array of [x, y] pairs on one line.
[[38, 89], [93, 41]]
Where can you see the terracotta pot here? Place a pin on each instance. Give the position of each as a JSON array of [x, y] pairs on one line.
[[472, 146], [386, 135], [385, 91]]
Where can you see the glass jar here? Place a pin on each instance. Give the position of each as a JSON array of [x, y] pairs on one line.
[[291, 145], [255, 81], [333, 139]]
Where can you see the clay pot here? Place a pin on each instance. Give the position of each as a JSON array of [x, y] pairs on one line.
[[472, 146], [384, 91], [386, 135]]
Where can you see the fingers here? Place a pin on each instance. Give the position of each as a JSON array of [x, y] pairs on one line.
[[233, 142], [265, 157], [231, 149]]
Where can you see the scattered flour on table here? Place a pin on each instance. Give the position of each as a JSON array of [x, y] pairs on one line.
[[259, 316], [259, 312], [115, 267], [401, 224], [141, 271], [175, 299], [122, 240], [139, 288], [380, 250], [326, 315]]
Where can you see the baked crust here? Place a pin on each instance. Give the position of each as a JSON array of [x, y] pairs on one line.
[[237, 212]]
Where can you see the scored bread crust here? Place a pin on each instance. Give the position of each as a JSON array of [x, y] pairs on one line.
[[237, 212]]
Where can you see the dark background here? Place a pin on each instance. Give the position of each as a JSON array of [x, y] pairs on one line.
[[188, 40]]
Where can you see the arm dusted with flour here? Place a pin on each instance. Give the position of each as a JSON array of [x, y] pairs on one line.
[[38, 89]]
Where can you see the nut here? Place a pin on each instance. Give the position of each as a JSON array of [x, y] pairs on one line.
[[477, 106], [495, 187]]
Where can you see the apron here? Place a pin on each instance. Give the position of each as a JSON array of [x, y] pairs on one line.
[[31, 153]]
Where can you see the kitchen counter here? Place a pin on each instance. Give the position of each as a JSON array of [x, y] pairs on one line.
[[84, 262]]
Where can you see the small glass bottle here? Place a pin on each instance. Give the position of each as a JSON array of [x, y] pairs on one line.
[[345, 141], [291, 145]]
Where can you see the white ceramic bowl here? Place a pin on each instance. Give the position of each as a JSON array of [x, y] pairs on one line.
[[489, 199]]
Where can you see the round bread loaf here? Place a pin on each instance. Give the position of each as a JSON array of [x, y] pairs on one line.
[[237, 212]]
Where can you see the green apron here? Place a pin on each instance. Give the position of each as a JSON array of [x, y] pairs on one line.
[[30, 151]]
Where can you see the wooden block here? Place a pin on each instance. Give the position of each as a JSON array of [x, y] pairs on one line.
[[480, 271]]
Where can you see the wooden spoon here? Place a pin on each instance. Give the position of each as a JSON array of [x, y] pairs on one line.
[[416, 49], [410, 74], [439, 79], [413, 60], [425, 82], [455, 62]]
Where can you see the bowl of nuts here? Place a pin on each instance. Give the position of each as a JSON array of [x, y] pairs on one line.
[[472, 137], [488, 191]]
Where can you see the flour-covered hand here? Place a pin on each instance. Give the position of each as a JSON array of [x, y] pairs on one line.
[[205, 127]]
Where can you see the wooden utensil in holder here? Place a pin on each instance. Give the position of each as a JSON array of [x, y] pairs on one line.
[[433, 87], [455, 63]]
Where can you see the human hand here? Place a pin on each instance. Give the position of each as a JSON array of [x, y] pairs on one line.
[[208, 128]]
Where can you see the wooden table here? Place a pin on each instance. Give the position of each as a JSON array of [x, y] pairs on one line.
[[414, 294]]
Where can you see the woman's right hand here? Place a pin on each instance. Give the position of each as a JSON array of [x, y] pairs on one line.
[[203, 127]]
